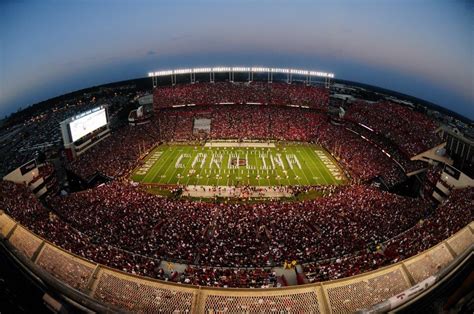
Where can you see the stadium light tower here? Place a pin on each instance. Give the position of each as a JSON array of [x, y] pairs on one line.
[[154, 79]]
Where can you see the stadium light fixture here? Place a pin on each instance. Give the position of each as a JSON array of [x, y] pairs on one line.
[[163, 73], [260, 69], [278, 70], [321, 74], [241, 69], [221, 69], [302, 72], [201, 70], [182, 71]]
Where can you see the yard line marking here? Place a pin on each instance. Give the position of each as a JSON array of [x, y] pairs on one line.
[[154, 171], [316, 165], [308, 182]]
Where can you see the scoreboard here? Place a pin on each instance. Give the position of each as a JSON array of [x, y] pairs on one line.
[[88, 123], [84, 130]]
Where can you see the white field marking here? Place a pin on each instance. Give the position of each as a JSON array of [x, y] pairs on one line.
[[292, 160], [331, 166], [171, 156], [201, 158], [172, 175], [304, 174], [217, 160], [178, 164], [278, 160], [326, 162], [143, 170], [313, 163]]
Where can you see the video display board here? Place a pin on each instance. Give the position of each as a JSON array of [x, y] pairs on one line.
[[87, 123]]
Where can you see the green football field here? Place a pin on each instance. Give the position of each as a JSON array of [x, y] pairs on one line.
[[291, 164]]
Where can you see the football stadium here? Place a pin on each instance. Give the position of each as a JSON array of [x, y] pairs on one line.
[[241, 189]]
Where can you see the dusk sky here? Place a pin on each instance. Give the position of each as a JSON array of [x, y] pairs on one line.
[[421, 48]]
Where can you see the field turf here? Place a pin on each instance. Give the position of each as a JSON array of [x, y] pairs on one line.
[[292, 164]]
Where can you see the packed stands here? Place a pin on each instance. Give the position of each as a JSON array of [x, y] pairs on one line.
[[432, 176], [446, 220], [363, 160], [20, 203], [350, 230], [412, 131], [382, 143], [206, 233], [241, 93], [116, 155], [356, 229], [229, 277]]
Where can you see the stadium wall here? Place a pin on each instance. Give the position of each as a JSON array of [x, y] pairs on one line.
[[99, 287]]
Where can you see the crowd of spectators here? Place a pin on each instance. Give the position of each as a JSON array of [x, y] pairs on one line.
[[20, 203], [357, 228], [241, 93], [363, 160], [447, 219], [412, 131], [240, 122], [432, 176], [115, 155], [229, 277], [366, 154], [389, 147], [264, 122], [352, 230], [237, 235], [36, 129]]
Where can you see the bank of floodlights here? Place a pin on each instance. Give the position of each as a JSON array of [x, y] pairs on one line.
[[221, 69], [239, 69]]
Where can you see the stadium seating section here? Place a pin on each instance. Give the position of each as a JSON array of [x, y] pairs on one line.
[[123, 227], [413, 132], [241, 93]]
